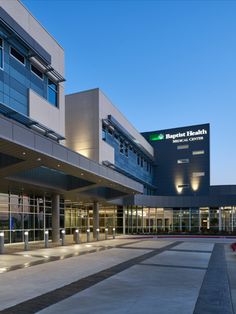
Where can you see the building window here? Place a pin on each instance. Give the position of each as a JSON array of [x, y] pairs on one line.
[[183, 161], [110, 131], [104, 133], [198, 152], [36, 71], [126, 150], [116, 137], [17, 55], [121, 146], [1, 53], [198, 174], [182, 146], [52, 93], [138, 160], [142, 162]]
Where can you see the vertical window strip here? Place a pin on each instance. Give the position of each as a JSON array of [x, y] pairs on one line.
[[1, 53]]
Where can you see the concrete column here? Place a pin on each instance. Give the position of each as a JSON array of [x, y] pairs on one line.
[[95, 218], [56, 218], [220, 219]]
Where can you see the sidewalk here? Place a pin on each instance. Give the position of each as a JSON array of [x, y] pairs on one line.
[[69, 240], [124, 275]]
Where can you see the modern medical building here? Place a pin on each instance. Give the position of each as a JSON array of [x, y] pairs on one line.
[[75, 161]]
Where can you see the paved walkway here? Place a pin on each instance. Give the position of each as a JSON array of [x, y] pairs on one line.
[[122, 276]]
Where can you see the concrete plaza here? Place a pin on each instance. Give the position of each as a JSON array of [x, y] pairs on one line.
[[125, 275]]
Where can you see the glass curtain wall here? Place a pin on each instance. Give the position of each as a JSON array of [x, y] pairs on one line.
[[80, 215], [189, 220], [20, 213]]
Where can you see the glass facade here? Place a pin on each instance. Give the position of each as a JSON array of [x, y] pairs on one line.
[[20, 213], [129, 160], [52, 93], [1, 53], [17, 78], [81, 216], [189, 220]]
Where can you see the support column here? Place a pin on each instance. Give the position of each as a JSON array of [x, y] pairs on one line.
[[220, 219], [56, 218], [95, 218]]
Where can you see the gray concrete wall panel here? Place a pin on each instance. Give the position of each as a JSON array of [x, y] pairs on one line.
[[6, 129], [23, 136], [59, 151], [181, 201], [43, 145]]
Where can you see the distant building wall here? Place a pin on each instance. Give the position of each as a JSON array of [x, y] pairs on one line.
[[182, 160]]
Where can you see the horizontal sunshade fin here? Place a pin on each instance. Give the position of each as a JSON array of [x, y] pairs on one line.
[[30, 41]]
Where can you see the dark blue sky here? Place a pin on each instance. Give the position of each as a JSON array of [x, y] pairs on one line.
[[162, 63]]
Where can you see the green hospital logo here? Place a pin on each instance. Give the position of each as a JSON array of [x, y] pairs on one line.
[[156, 137]]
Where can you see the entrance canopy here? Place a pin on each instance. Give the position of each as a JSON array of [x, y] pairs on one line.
[[33, 163]]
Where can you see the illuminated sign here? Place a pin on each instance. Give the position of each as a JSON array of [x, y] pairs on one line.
[[157, 137], [180, 137]]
